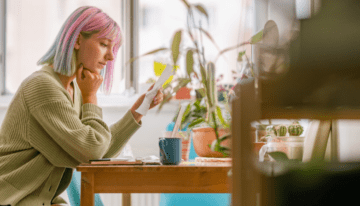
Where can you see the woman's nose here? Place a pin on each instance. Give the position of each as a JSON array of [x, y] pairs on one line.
[[110, 55]]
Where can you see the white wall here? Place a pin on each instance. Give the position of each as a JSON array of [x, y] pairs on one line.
[[145, 141]]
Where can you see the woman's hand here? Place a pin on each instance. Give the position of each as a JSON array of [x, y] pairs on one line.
[[157, 100], [88, 83]]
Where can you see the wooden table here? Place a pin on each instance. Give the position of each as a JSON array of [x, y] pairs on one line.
[[126, 179]]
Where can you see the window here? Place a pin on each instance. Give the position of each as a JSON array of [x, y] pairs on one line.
[[30, 33], [162, 18], [31, 28]]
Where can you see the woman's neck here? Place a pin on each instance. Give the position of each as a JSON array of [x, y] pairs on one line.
[[66, 80]]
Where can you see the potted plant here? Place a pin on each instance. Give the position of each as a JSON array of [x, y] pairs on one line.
[[205, 110]]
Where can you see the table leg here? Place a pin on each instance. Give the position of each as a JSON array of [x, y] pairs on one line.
[[126, 199], [87, 189]]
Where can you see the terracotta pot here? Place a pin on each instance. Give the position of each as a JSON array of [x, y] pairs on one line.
[[185, 149], [203, 137], [183, 93]]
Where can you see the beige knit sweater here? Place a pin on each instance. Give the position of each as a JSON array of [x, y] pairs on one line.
[[44, 135]]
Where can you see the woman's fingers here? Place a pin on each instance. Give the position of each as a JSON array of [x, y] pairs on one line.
[[88, 74], [88, 82], [79, 72], [150, 88], [159, 97]]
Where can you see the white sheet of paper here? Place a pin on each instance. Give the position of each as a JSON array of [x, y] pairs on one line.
[[144, 107]]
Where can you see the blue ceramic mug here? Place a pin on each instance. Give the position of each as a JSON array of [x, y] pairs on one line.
[[170, 150]]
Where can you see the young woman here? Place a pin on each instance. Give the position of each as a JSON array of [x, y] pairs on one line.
[[53, 123]]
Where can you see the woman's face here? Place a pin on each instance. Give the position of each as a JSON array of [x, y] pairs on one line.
[[94, 52]]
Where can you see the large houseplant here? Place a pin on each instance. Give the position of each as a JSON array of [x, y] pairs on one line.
[[205, 110]]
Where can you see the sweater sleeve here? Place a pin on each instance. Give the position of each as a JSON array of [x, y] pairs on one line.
[[121, 132], [82, 139]]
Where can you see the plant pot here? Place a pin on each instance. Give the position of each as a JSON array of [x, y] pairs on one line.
[[185, 149], [203, 137], [183, 93]]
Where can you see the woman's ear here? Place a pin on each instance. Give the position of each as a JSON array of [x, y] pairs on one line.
[[77, 42]]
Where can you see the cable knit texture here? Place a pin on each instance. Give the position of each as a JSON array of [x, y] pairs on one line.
[[44, 135]]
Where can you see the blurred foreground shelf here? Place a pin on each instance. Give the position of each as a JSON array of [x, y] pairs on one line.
[[322, 82]]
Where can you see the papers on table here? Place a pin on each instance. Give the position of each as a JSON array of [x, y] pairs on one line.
[[149, 160]]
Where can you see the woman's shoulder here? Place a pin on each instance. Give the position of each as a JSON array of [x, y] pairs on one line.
[[39, 78], [41, 86]]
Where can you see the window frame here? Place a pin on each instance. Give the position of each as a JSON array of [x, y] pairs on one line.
[[2, 47]]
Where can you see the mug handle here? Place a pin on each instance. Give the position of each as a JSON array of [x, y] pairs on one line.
[[162, 149], [262, 153]]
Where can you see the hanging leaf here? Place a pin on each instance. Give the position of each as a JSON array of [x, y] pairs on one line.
[[241, 54], [186, 4], [233, 47], [182, 82], [175, 47], [189, 62], [201, 9], [148, 53], [257, 37], [167, 97]]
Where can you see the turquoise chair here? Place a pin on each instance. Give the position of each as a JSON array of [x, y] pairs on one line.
[[193, 199], [73, 191]]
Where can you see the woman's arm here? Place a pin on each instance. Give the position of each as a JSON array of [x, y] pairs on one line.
[[128, 125]]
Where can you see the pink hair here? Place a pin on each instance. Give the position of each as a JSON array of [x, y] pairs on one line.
[[85, 19]]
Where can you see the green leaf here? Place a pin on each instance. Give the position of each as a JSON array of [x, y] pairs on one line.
[[215, 145], [224, 137], [186, 114], [182, 82], [203, 74], [189, 62], [175, 47], [201, 91], [148, 53], [167, 98], [241, 54], [257, 37], [233, 47], [196, 122], [230, 48], [219, 114], [201, 9]]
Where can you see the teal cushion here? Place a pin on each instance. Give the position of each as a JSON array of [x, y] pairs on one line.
[[73, 191]]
